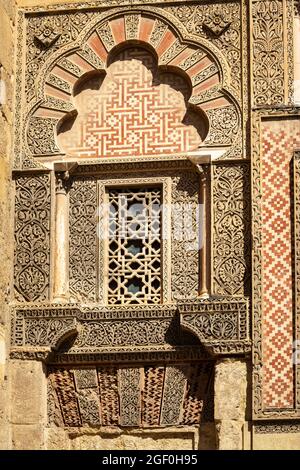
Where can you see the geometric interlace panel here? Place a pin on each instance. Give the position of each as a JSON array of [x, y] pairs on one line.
[[134, 246]]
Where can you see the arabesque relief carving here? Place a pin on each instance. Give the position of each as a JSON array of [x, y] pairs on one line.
[[32, 238], [222, 326], [231, 229], [272, 62]]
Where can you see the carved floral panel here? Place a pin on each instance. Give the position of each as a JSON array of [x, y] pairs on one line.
[[32, 238]]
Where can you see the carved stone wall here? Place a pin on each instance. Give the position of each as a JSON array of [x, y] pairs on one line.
[[142, 94]]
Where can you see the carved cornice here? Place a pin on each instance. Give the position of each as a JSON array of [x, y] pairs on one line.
[[175, 354], [100, 329], [221, 324], [100, 4]]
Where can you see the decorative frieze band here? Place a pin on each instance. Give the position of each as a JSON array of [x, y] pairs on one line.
[[221, 326]]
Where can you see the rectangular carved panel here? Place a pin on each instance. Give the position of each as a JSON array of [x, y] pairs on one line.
[[174, 390], [83, 238], [108, 382], [272, 30], [63, 381], [32, 238], [153, 386], [231, 230], [197, 395], [185, 257], [130, 402], [89, 406]]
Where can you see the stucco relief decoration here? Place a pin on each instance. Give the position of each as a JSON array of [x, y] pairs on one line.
[[221, 24], [76, 79], [46, 37], [216, 25]]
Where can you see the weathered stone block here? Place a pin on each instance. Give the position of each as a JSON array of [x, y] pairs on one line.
[[280, 441], [230, 389], [6, 37], [229, 435], [28, 437], [29, 392]]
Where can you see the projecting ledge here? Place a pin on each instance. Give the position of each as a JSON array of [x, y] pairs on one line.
[[220, 323]]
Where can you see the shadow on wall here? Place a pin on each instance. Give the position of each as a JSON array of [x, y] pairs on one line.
[[133, 109]]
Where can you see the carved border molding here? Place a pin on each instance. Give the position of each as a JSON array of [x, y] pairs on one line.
[[222, 325], [277, 427], [259, 413], [99, 4]]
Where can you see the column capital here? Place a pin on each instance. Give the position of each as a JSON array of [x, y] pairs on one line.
[[63, 182]]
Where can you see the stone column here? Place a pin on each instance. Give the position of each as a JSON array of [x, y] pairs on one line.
[[28, 404], [230, 403], [61, 251], [204, 200]]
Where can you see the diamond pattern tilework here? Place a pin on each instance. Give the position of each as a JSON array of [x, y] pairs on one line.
[[278, 144]]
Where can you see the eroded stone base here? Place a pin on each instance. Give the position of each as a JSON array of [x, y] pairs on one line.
[[118, 439]]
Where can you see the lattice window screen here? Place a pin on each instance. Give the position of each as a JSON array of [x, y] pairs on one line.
[[134, 245]]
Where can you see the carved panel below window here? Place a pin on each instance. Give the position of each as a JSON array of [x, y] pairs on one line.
[[151, 395]]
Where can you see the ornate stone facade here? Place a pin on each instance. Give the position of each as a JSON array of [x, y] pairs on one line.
[[156, 202]]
